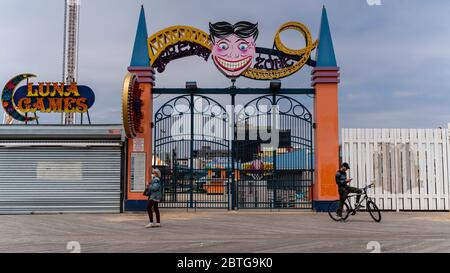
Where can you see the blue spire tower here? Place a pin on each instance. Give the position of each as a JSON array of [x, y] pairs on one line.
[[325, 50], [140, 66], [140, 50], [140, 60], [325, 80]]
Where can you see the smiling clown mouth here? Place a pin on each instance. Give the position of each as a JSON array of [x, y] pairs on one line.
[[233, 65]]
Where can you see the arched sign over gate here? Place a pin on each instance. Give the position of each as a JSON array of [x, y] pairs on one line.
[[233, 49]]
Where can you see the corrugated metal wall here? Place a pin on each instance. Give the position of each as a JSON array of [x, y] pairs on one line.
[[63, 177]]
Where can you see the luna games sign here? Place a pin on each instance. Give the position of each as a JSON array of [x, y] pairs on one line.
[[44, 97]]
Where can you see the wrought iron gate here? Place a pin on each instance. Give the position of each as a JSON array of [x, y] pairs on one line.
[[192, 144], [205, 165], [275, 158]]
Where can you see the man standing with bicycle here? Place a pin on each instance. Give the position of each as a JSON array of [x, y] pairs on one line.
[[344, 189]]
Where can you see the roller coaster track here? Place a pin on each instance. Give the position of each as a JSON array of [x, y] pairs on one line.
[[160, 41]]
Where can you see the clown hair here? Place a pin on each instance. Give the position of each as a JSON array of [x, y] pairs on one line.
[[241, 29]]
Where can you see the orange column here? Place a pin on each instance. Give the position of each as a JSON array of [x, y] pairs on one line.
[[141, 145], [146, 81], [326, 153], [146, 136]]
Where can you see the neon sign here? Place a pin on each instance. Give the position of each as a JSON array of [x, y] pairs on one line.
[[45, 97]]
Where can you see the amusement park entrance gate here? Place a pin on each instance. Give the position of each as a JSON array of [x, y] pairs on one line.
[[259, 156]]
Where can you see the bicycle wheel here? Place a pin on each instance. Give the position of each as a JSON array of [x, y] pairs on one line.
[[332, 211], [374, 211]]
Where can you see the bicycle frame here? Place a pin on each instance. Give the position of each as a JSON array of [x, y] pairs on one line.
[[366, 198], [352, 210]]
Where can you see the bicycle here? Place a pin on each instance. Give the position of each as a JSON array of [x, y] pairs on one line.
[[348, 209]]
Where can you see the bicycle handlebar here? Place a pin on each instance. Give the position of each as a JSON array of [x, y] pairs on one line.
[[368, 187]]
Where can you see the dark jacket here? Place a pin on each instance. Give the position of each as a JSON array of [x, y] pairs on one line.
[[341, 179]]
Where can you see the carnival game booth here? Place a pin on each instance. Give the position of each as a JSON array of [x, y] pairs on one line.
[[60, 169]]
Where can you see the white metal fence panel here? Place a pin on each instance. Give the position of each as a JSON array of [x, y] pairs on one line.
[[410, 167]]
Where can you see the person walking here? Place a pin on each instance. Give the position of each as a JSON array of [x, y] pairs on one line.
[[154, 188]]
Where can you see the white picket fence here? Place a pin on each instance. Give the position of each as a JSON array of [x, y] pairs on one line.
[[410, 167]]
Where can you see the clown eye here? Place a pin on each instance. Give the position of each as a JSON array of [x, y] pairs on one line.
[[243, 47], [223, 46]]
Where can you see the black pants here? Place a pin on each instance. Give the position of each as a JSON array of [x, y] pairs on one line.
[[343, 194], [153, 205]]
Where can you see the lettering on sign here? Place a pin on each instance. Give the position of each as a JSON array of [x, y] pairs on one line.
[[138, 145], [138, 167]]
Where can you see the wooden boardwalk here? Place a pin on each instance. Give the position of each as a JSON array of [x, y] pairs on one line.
[[221, 231]]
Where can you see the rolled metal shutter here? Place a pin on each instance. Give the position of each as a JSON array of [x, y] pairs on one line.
[[50, 177]]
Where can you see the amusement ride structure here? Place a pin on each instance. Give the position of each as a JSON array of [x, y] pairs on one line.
[[70, 61], [71, 37]]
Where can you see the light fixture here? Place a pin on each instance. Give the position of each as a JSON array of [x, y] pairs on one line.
[[275, 85], [191, 86]]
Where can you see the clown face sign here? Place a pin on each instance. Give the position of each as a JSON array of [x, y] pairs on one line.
[[233, 49], [234, 46]]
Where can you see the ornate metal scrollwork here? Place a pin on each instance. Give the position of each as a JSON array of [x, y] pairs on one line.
[[265, 105], [182, 106]]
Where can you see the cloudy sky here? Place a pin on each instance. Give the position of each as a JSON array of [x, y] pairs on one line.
[[393, 57]]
